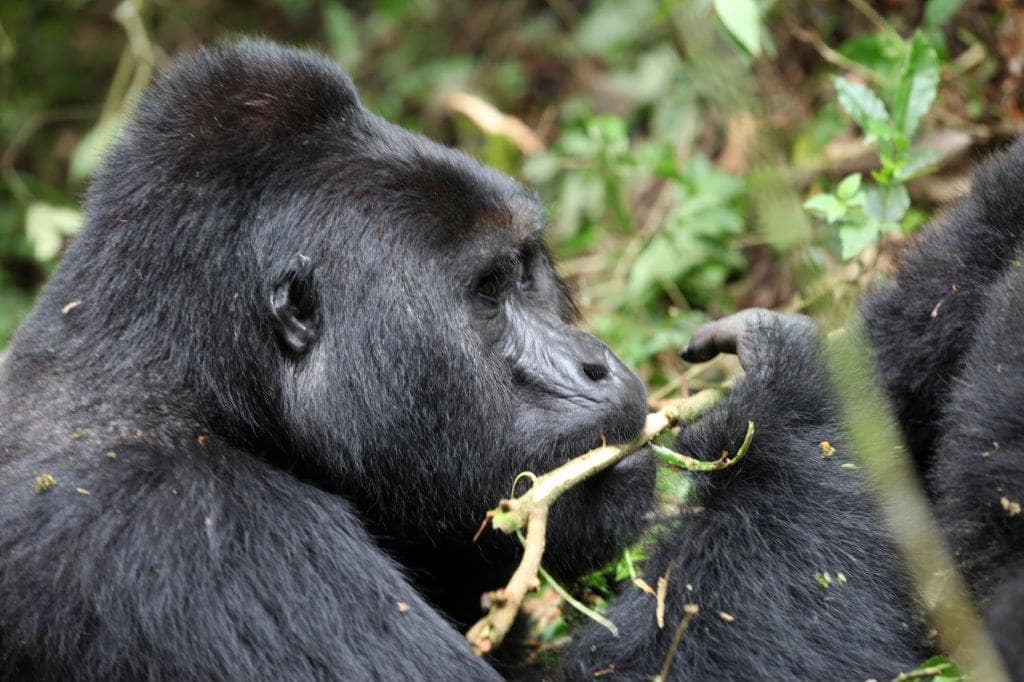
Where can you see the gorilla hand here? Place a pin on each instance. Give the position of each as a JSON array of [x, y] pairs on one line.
[[750, 335]]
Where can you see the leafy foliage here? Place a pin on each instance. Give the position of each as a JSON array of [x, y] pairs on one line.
[[861, 213]]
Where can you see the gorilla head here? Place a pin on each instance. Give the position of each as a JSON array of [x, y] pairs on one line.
[[367, 308]]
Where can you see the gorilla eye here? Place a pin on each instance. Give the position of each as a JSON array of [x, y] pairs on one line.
[[488, 289]]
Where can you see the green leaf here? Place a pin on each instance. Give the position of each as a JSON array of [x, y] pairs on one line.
[[887, 205], [863, 105], [919, 162], [581, 195], [342, 33], [542, 168], [826, 206], [882, 53], [919, 83], [848, 187], [611, 25], [46, 226], [853, 238], [742, 19], [941, 668], [938, 12]]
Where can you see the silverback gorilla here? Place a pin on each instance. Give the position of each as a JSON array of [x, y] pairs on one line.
[[309, 348]]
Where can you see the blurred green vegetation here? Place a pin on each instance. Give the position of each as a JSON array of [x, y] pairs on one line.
[[675, 141]]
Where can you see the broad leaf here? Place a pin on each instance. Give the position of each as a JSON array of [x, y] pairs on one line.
[[742, 18], [919, 83], [827, 206], [887, 205], [938, 12], [47, 225], [342, 30], [919, 162], [863, 106], [848, 187], [853, 238]]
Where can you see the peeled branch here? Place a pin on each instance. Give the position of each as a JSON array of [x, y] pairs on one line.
[[529, 511]]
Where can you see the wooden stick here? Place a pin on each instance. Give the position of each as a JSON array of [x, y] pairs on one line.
[[530, 511]]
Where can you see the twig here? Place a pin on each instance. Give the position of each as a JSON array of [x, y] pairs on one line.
[[811, 38], [530, 511], [930, 671], [577, 604], [488, 118], [873, 16], [701, 466], [690, 611]]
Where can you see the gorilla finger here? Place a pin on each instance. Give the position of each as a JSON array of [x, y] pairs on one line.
[[720, 336]]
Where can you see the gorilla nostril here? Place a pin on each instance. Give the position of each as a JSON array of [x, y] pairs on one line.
[[595, 372]]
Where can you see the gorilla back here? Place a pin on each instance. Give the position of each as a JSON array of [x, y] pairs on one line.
[[299, 329]]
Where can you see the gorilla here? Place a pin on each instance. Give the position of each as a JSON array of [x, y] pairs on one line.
[[295, 353], [946, 334]]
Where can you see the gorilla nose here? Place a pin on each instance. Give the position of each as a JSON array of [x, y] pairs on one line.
[[580, 365], [592, 357], [602, 370]]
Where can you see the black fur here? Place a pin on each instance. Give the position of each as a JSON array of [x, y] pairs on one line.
[[922, 324], [947, 334], [280, 404], [768, 527], [956, 373]]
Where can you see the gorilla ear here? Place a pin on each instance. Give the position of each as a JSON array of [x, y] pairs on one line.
[[295, 307]]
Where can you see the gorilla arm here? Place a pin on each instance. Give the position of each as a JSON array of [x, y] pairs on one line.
[[789, 568], [190, 564], [922, 323]]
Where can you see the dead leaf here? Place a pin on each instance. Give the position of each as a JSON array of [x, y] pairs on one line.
[[44, 482], [1012, 508]]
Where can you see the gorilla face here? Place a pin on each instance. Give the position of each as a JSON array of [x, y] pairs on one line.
[[448, 362], [567, 386]]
